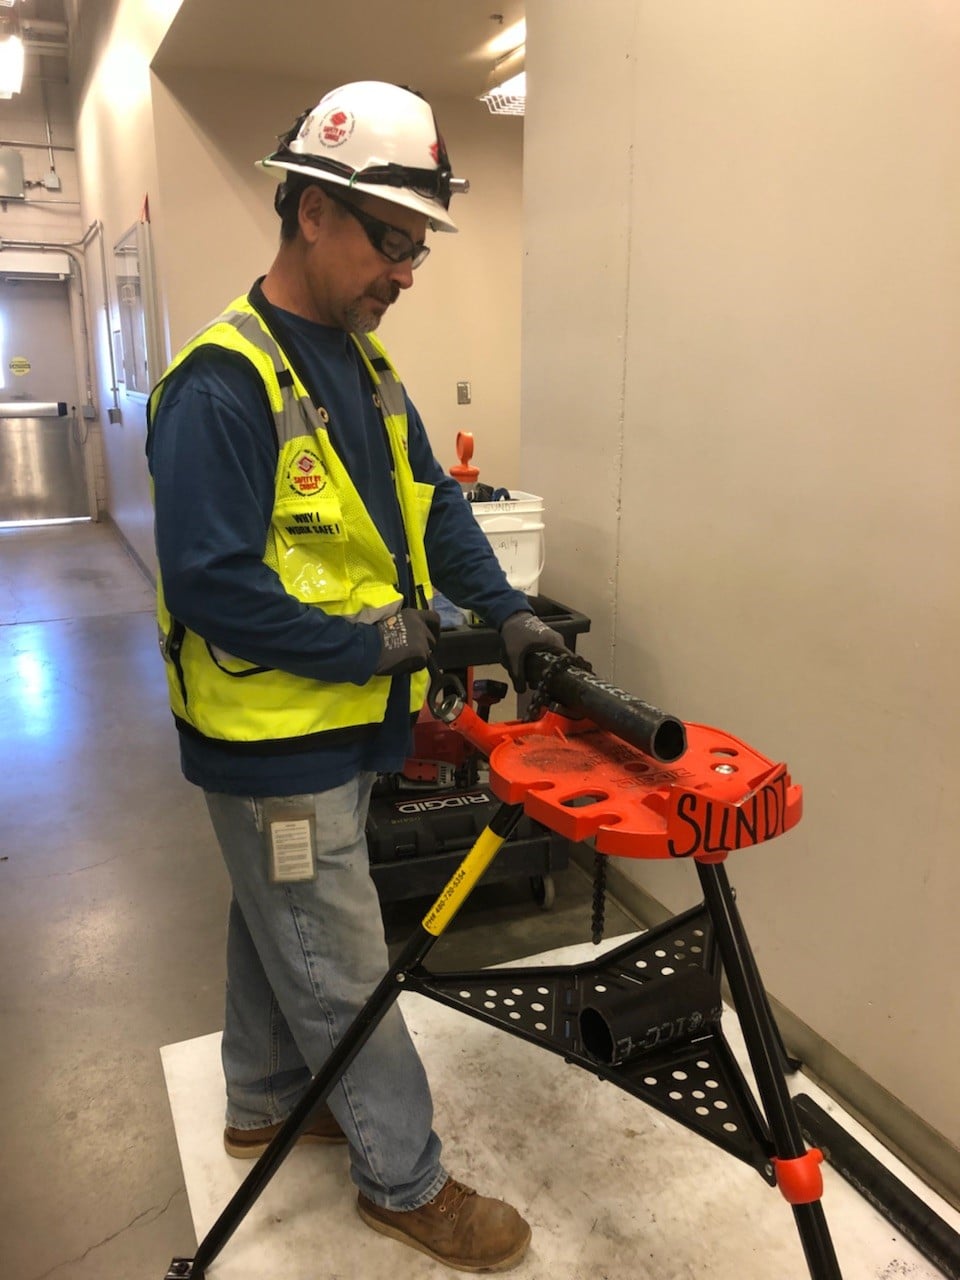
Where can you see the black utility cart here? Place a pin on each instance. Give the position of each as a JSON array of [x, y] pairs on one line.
[[421, 822]]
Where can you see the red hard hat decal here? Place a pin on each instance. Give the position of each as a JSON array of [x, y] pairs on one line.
[[336, 127]]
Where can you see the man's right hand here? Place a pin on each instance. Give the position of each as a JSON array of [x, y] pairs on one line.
[[408, 639], [519, 635]]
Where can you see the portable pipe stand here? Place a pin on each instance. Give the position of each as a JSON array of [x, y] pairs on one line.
[[644, 1016]]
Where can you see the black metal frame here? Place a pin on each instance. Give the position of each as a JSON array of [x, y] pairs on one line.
[[692, 1076]]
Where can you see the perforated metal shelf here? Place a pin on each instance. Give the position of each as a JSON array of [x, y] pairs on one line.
[[693, 1078]]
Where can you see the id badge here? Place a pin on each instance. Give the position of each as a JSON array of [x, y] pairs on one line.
[[291, 831]]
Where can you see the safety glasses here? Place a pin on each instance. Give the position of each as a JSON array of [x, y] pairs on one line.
[[393, 243]]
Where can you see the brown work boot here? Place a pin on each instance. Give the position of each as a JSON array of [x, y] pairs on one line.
[[249, 1144], [458, 1227]]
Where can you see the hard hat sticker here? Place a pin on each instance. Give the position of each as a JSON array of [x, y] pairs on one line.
[[336, 127], [305, 474]]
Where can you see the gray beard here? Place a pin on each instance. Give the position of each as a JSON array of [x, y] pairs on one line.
[[360, 320]]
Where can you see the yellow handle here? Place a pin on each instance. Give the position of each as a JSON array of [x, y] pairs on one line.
[[460, 884]]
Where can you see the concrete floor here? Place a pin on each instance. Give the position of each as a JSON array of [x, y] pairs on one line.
[[112, 916]]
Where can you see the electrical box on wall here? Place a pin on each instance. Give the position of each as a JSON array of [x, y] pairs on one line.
[[11, 174]]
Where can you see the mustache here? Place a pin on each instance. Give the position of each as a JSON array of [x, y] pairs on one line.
[[388, 294]]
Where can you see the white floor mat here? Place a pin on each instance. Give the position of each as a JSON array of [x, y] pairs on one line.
[[612, 1190]]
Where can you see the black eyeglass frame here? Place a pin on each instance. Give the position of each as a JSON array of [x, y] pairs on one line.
[[377, 231]]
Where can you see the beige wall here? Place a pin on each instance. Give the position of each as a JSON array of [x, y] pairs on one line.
[[740, 399], [116, 40], [189, 141], [461, 319], [44, 215]]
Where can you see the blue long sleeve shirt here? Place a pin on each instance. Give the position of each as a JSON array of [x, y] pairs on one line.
[[212, 454]]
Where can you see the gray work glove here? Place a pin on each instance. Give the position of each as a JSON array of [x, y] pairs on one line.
[[408, 639], [521, 633]]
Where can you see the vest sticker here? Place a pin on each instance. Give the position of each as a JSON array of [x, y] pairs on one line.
[[306, 475], [311, 522]]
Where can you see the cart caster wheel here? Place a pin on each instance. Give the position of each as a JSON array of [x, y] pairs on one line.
[[544, 891]]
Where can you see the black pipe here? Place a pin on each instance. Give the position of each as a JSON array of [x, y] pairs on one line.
[[625, 1023], [934, 1238], [581, 692]]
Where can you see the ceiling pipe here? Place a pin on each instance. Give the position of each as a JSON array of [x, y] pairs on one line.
[[52, 48], [40, 27], [40, 36], [40, 146]]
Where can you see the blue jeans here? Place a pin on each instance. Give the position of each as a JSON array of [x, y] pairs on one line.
[[302, 958]]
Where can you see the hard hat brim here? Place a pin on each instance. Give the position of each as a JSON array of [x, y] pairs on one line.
[[438, 219]]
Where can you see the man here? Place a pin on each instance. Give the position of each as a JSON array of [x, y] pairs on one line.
[[301, 524]]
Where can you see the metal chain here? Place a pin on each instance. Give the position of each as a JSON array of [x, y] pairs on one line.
[[599, 896], [556, 662], [537, 703]]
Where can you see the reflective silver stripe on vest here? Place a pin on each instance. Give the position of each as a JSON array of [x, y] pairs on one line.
[[390, 389], [249, 327]]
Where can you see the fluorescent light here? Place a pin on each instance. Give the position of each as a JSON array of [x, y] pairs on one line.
[[515, 87], [506, 90], [506, 41], [33, 524], [11, 66]]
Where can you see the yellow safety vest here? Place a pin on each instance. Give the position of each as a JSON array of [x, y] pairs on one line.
[[323, 546]]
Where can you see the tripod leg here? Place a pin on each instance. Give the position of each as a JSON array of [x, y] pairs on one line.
[[453, 896], [788, 1063], [764, 1046]]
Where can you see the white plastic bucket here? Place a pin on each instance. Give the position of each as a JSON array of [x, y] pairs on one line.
[[514, 529]]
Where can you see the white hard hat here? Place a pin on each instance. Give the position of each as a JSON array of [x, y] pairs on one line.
[[379, 138]]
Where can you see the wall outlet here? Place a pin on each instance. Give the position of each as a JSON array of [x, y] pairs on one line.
[[463, 393]]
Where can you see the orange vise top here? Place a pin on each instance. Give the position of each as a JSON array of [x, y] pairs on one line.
[[585, 783]]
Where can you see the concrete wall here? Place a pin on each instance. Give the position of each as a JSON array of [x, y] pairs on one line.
[[740, 397]]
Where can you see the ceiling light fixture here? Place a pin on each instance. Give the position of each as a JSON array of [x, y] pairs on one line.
[[506, 90], [11, 66]]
